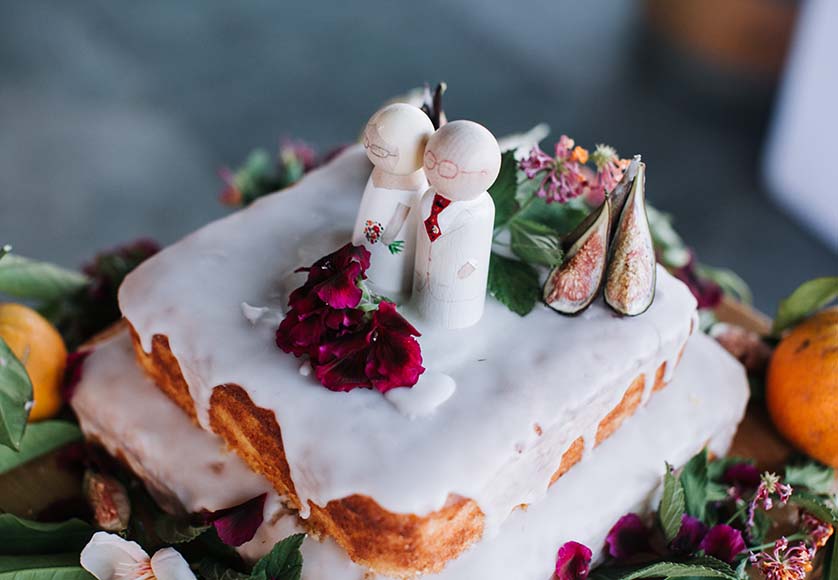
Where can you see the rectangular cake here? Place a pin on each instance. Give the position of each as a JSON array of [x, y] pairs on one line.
[[402, 483], [702, 406]]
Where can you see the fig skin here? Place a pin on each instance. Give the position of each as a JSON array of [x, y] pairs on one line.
[[599, 226], [628, 267]]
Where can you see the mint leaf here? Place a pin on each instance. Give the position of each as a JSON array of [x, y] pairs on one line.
[[41, 567], [504, 188], [176, 530], [39, 439], [808, 298], [560, 217], [24, 278], [283, 562], [535, 243], [514, 284], [813, 476], [695, 481], [672, 506], [815, 506], [19, 536], [701, 567], [15, 397]]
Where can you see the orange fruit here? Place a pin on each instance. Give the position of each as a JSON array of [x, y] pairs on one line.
[[802, 386], [41, 349]]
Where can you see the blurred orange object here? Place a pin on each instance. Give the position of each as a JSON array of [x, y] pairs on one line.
[[802, 386], [41, 349]]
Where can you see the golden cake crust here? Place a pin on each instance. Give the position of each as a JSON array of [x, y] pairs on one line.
[[390, 543]]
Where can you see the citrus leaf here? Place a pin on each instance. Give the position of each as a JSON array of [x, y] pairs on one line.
[[702, 567], [504, 188], [813, 476], [284, 561], [43, 567], [15, 397], [19, 536], [808, 298], [33, 280], [535, 243], [514, 284], [815, 506], [695, 481], [672, 506], [38, 439]]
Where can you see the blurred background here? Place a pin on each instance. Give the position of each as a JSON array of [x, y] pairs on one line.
[[116, 116]]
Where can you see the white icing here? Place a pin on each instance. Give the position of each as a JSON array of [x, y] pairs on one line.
[[118, 406], [432, 390], [261, 314], [703, 404], [512, 373]]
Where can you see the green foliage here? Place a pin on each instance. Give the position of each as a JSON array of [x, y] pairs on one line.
[[19, 536], [504, 188], [816, 506], [729, 281], [672, 506], [52, 567], [513, 283], [15, 398], [535, 243], [172, 530], [33, 280], [805, 301], [830, 563], [212, 570], [701, 567], [817, 478], [695, 480], [283, 562], [38, 439]]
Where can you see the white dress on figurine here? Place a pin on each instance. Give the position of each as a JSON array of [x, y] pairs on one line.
[[394, 139], [454, 238]]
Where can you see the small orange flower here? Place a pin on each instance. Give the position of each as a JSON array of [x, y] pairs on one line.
[[580, 155]]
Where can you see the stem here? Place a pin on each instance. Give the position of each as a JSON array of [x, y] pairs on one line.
[[791, 538], [518, 212]]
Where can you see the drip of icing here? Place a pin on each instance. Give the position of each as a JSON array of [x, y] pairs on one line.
[[261, 315], [703, 404], [511, 372], [432, 390]]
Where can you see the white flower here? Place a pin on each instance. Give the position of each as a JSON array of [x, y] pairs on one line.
[[109, 557]]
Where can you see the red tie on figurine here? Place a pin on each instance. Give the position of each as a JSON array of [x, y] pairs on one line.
[[432, 223]]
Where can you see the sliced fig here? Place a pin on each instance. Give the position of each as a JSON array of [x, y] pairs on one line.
[[630, 279], [621, 192], [572, 285]]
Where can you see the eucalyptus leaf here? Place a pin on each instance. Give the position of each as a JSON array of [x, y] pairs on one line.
[[816, 506], [696, 485], [39, 439], [15, 397], [513, 283], [672, 506], [535, 243], [284, 561], [701, 567], [43, 567], [29, 279], [815, 477], [504, 188], [806, 300], [20, 536]]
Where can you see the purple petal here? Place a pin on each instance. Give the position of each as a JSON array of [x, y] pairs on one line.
[[723, 542], [628, 537], [573, 561], [743, 475], [689, 536], [237, 525]]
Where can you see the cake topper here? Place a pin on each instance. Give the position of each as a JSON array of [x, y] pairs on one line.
[[454, 241], [394, 139]]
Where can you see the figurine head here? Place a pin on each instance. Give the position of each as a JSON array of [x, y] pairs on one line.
[[462, 159], [395, 138]]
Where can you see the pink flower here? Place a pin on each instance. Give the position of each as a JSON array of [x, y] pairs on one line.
[[573, 561], [818, 531], [785, 562], [628, 537], [109, 557], [237, 525], [609, 171], [561, 176], [746, 346], [689, 537], [723, 542], [382, 355], [769, 486]]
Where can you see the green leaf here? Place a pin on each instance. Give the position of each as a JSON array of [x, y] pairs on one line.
[[176, 530], [4, 251], [560, 217], [33, 280], [535, 243], [19, 536], [504, 188], [816, 506], [813, 476], [284, 561], [830, 563], [807, 299], [514, 284], [702, 567], [43, 567], [695, 481], [212, 570], [39, 439], [672, 506], [729, 281], [15, 397]]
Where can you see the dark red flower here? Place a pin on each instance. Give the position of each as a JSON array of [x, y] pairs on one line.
[[73, 373], [334, 278], [303, 331], [706, 292], [237, 525], [689, 536], [109, 268], [628, 537], [723, 542], [742, 477], [573, 561], [383, 355]]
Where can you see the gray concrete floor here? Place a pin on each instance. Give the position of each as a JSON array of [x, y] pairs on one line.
[[114, 116]]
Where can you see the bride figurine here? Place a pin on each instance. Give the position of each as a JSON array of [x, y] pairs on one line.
[[394, 139]]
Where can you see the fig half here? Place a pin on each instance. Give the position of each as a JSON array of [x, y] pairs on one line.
[[620, 193], [631, 276], [572, 285]]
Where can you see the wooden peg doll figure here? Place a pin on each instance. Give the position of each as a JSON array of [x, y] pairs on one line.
[[394, 139], [454, 240]]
